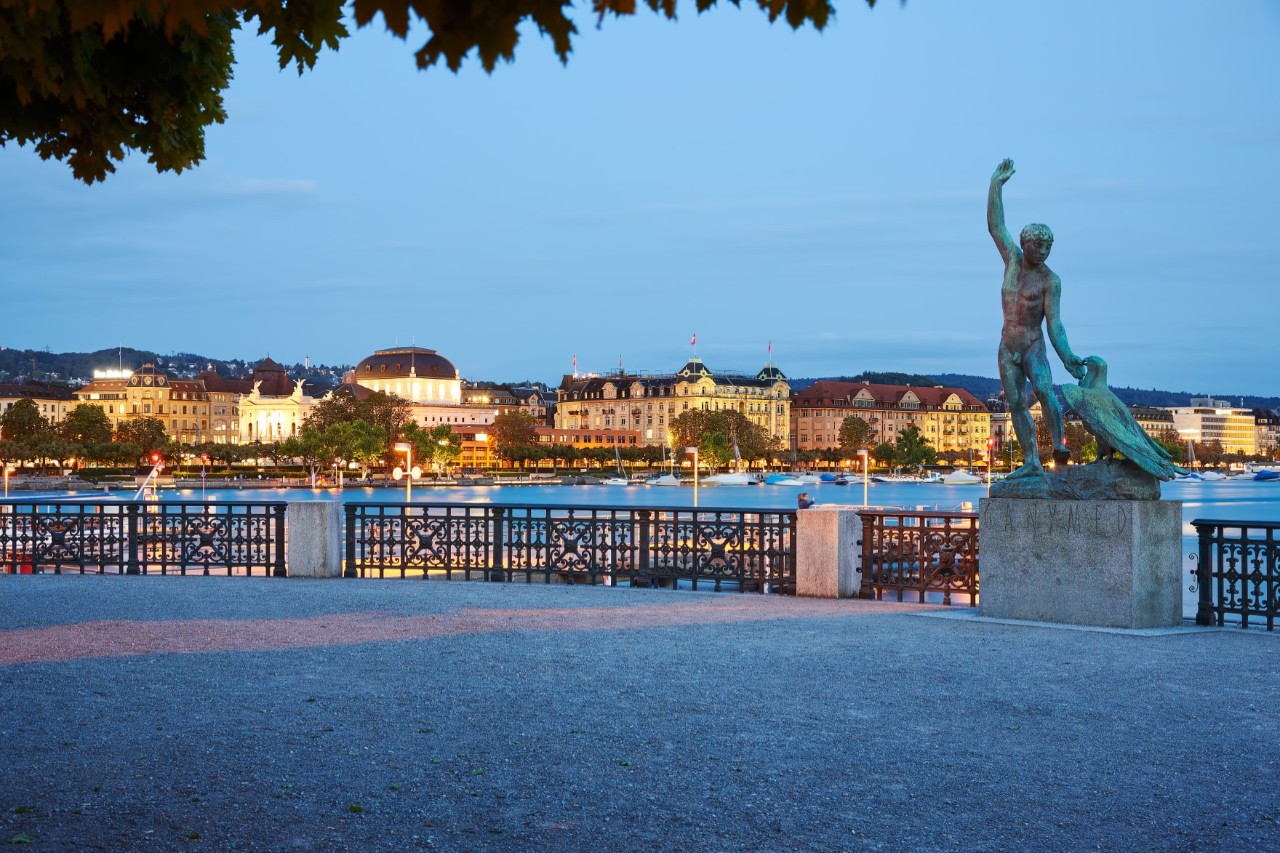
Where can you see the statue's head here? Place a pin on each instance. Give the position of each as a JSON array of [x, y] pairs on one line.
[[1036, 241]]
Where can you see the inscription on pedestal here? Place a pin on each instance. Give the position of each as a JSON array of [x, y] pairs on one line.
[[1057, 518], [1105, 563]]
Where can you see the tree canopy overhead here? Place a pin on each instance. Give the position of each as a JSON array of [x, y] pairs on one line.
[[86, 81]]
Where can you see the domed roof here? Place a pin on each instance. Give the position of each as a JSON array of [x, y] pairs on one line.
[[148, 375], [272, 378], [405, 363], [694, 367], [771, 373]]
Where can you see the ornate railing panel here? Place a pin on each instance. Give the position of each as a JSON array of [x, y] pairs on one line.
[[142, 537], [921, 552], [1238, 571], [720, 548]]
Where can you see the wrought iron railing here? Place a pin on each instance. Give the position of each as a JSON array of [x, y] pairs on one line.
[[746, 550], [1237, 572], [921, 552], [142, 537]]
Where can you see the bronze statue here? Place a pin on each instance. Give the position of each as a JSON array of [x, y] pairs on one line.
[[1031, 295], [1113, 425]]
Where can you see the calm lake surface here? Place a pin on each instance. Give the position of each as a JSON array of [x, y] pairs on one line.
[[1225, 499]]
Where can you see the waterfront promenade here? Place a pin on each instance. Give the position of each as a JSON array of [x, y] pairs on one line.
[[161, 713]]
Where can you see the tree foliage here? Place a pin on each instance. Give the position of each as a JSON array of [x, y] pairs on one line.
[[87, 81], [86, 424], [855, 434], [146, 433], [912, 449], [511, 430], [688, 428], [24, 424]]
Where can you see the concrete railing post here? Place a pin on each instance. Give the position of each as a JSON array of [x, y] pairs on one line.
[[828, 552], [313, 542]]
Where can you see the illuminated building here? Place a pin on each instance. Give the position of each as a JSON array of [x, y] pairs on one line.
[[423, 378], [648, 403], [53, 403], [951, 419], [1207, 420], [275, 407]]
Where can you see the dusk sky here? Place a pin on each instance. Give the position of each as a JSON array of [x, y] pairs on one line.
[[718, 175]]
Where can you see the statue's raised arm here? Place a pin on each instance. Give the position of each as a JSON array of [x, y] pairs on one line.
[[995, 210]]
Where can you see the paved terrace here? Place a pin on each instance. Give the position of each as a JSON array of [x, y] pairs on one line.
[[159, 713]]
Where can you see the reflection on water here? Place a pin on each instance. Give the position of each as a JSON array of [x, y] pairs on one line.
[[1226, 499]]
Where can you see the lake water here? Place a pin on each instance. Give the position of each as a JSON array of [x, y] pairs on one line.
[[1225, 499]]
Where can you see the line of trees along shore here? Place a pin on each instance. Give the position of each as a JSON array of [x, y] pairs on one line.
[[343, 430]]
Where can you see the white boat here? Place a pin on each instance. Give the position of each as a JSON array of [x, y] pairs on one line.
[[615, 481], [960, 477], [730, 479], [665, 480], [1211, 476]]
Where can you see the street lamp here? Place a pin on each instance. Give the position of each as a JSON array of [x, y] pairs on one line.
[[866, 465], [410, 472], [694, 451], [991, 443], [8, 469]]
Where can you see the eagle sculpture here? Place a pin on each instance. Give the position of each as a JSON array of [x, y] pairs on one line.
[[1112, 424]]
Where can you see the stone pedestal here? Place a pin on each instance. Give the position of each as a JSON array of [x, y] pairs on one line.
[[313, 540], [828, 552], [1107, 563]]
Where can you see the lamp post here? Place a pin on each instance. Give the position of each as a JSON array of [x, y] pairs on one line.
[[866, 466], [407, 449], [8, 469], [991, 442], [694, 451]]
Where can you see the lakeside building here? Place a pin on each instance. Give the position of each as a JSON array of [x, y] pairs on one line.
[[275, 406], [423, 378], [1267, 430], [53, 402], [531, 400], [1155, 421], [952, 419], [1207, 419], [647, 403], [181, 405]]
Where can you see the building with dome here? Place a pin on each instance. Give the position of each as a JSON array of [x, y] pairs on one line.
[[426, 380], [649, 402]]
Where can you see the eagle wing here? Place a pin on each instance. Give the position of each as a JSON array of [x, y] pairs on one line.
[[1109, 419]]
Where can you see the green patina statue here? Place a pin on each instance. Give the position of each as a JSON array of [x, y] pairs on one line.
[[1113, 425], [1030, 296]]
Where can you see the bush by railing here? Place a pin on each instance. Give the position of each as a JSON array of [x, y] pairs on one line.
[[142, 537], [921, 552], [1237, 571], [748, 550]]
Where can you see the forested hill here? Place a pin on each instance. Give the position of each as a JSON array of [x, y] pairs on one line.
[[985, 387], [76, 368]]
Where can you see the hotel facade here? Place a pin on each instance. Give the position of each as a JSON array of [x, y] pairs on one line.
[[648, 403], [951, 419]]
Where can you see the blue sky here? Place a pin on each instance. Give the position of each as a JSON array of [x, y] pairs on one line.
[[717, 175]]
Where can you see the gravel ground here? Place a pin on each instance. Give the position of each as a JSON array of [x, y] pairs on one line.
[[259, 714]]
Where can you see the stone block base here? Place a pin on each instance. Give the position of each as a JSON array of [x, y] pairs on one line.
[[827, 552], [313, 540], [1106, 563]]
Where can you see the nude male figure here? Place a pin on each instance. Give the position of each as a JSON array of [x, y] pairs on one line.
[[1031, 295]]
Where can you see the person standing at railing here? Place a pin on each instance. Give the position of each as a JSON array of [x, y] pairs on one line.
[[803, 501]]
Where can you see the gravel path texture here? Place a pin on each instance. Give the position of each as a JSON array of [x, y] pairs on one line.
[[215, 714]]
